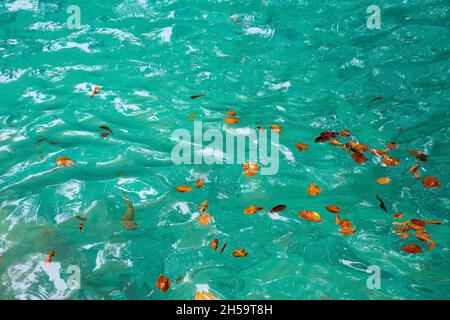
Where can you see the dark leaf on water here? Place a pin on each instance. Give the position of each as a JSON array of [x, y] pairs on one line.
[[382, 206]]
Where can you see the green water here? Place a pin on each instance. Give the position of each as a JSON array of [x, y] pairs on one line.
[[308, 66]]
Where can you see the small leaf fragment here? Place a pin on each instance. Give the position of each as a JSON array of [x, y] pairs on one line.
[[163, 283], [252, 209], [278, 208], [183, 189], [310, 215], [313, 189], [239, 253]]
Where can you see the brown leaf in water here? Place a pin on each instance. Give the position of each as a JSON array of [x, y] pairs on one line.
[[398, 215], [250, 169], [417, 224], [199, 183], [413, 168], [197, 96], [239, 253], [231, 113], [310, 215], [392, 145], [383, 180], [418, 154], [345, 133], [432, 245], [203, 206], [231, 120], [179, 278], [223, 247], [402, 229], [63, 162], [105, 134], [359, 157], [163, 283], [252, 209], [412, 248], [336, 142], [205, 219], [81, 218], [337, 219], [433, 221], [382, 206], [40, 140], [106, 128], [313, 189], [389, 161], [49, 256], [431, 182], [183, 189], [333, 209], [278, 208], [377, 98], [357, 147], [276, 128], [346, 227], [95, 90], [81, 227], [378, 152], [214, 243], [326, 135], [301, 146]]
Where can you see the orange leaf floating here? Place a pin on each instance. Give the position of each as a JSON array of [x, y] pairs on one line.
[[346, 227], [402, 229], [412, 248], [252, 209], [313, 189], [345, 133], [199, 183], [423, 236], [398, 215], [403, 235], [231, 120], [336, 142], [433, 221], [80, 227], [357, 147], [250, 169], [310, 215], [333, 209], [431, 182], [359, 157], [239, 253], [378, 152], [205, 219], [418, 154], [197, 96], [383, 180], [276, 128], [192, 116], [301, 147], [416, 224], [214, 243], [49, 256], [231, 113], [203, 206], [63, 162], [179, 278], [95, 90], [163, 283], [326, 135], [223, 247], [382, 206], [183, 189], [413, 168], [278, 208], [199, 295], [392, 145], [388, 161], [432, 245]]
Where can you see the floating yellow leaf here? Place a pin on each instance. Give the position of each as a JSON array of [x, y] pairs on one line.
[[252, 209], [183, 189], [310, 215], [250, 169]]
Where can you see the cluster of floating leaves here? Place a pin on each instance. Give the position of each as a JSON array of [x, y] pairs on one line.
[[357, 151]]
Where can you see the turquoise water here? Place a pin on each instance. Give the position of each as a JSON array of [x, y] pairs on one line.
[[308, 66]]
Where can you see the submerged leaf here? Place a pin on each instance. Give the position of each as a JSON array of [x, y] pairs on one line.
[[301, 146], [412, 248], [250, 169], [63, 162], [392, 145], [310, 215], [223, 247], [431, 182], [388, 161], [183, 189], [163, 283], [214, 243], [239, 253], [359, 157], [313, 189], [432, 245], [252, 209], [81, 218], [326, 135], [418, 154], [383, 180], [333, 209], [199, 183], [382, 206], [197, 96], [278, 208], [49, 256]]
